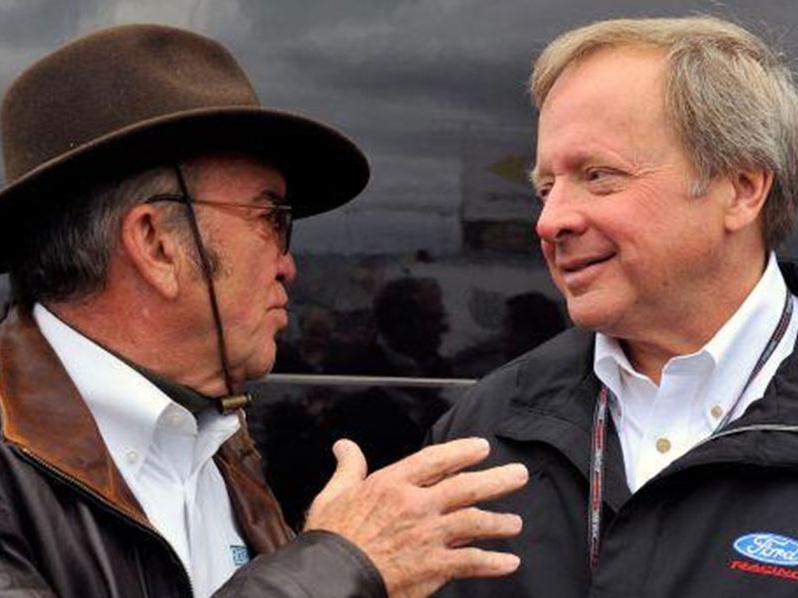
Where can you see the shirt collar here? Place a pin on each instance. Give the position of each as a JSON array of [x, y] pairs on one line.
[[127, 407], [735, 347], [754, 321], [609, 361]]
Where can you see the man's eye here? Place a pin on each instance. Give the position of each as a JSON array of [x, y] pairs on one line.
[[279, 220], [542, 193], [600, 174], [271, 217], [603, 179]]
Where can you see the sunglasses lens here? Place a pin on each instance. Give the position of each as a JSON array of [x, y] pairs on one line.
[[281, 222], [285, 230]]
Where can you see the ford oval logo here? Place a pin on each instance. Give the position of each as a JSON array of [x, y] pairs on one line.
[[768, 548]]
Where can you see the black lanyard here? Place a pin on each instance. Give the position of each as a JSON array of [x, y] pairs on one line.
[[596, 496]]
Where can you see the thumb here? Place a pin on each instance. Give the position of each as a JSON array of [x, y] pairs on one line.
[[350, 470]]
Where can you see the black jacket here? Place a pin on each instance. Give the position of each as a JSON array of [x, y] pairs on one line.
[[70, 526], [675, 537]]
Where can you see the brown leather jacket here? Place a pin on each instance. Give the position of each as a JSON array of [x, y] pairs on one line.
[[70, 526]]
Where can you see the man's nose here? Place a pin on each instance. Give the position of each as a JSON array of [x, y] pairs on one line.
[[286, 268], [561, 216]]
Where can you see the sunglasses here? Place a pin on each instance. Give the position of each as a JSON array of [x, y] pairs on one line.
[[277, 216]]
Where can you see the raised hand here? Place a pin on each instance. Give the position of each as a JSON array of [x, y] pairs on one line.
[[415, 518]]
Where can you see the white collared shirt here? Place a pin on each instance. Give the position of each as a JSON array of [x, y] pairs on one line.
[[163, 452], [659, 424]]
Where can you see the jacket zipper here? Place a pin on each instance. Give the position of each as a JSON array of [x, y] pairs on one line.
[[754, 428], [111, 506]]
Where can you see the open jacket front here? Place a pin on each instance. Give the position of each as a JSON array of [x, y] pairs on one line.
[[71, 527], [722, 520]]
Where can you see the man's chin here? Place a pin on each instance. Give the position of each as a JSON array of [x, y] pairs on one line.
[[260, 368], [591, 315]]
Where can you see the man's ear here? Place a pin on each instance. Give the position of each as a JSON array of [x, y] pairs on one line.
[[750, 189], [152, 248]]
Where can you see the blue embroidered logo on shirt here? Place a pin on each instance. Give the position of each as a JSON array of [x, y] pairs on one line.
[[240, 555], [768, 548]]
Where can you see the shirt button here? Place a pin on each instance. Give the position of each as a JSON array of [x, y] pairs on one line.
[[663, 445], [175, 419], [131, 456], [716, 411]]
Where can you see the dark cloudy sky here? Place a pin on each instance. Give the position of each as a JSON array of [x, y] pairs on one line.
[[429, 88]]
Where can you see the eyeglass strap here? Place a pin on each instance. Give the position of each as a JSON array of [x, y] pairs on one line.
[[231, 402]]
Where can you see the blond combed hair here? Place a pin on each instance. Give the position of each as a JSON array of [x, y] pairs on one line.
[[728, 95]]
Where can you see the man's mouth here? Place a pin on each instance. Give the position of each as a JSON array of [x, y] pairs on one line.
[[580, 271], [579, 264], [281, 309]]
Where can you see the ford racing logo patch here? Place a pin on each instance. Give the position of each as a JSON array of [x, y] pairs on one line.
[[768, 548]]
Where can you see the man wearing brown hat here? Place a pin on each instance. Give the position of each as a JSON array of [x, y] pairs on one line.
[[146, 228]]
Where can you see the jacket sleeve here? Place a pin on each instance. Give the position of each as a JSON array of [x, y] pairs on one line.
[[317, 564]]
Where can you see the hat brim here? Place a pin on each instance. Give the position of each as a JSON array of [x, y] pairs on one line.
[[323, 168]]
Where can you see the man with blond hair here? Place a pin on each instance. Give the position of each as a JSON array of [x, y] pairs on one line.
[[661, 434]]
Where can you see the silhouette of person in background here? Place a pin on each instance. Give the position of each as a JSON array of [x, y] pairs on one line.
[[388, 422], [316, 325], [391, 422], [411, 322], [530, 319]]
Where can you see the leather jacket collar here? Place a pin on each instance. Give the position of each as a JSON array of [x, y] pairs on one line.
[[44, 416]]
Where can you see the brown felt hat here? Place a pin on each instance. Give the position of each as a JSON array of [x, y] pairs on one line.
[[122, 97]]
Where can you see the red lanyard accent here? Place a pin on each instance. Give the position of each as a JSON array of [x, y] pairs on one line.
[[596, 496]]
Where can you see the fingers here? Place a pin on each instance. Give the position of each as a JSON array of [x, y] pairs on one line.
[[467, 525], [433, 463], [468, 488], [350, 470], [414, 519], [475, 562]]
